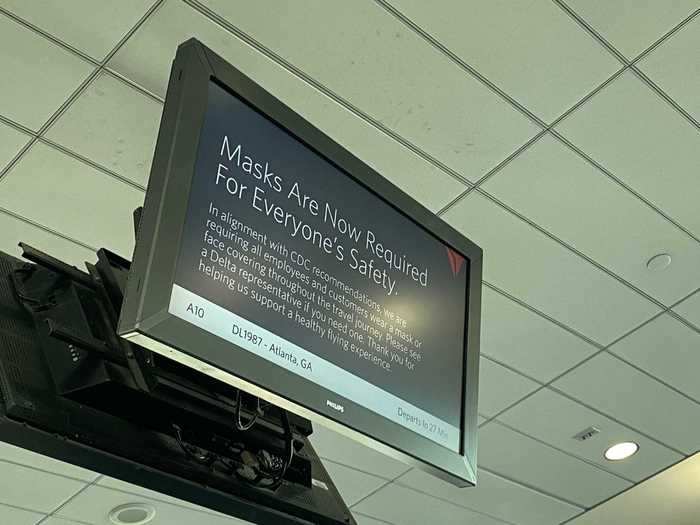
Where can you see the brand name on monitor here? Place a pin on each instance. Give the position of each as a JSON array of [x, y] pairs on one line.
[[335, 406]]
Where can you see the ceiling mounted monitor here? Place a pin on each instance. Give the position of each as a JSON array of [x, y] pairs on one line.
[[271, 258]]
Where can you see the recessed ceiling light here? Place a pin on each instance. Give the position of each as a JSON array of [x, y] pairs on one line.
[[621, 451], [659, 262], [132, 514]]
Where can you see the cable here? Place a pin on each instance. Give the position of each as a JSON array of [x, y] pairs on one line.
[[239, 423], [290, 445], [206, 458], [265, 472]]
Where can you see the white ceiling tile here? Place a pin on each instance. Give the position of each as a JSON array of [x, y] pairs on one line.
[[673, 67], [42, 75], [75, 22], [15, 231], [510, 43], [14, 516], [352, 484], [690, 309], [523, 459], [64, 194], [401, 505], [340, 449], [564, 194], [136, 490], [94, 503], [500, 387], [670, 498], [526, 341], [147, 57], [113, 125], [632, 397], [11, 141], [541, 272], [555, 419], [15, 454], [53, 520], [366, 520], [33, 489], [667, 349], [375, 65], [630, 25], [643, 141], [497, 497]]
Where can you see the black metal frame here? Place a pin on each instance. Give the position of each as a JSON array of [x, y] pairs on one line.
[[145, 318], [66, 391]]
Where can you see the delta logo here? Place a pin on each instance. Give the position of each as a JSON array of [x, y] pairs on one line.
[[456, 261]]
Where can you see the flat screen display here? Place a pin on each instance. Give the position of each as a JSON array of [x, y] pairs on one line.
[[271, 258], [285, 255]]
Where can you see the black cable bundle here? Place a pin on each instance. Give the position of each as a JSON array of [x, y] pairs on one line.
[[262, 470]]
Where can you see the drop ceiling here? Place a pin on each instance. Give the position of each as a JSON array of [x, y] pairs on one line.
[[562, 136]]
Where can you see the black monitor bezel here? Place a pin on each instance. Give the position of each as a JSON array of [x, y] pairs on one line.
[[145, 318]]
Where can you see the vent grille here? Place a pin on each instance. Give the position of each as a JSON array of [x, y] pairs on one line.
[[586, 434]]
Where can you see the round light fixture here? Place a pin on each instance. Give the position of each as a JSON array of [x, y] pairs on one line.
[[621, 451], [659, 262], [132, 514]]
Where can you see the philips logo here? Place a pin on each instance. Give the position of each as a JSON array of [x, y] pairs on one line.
[[335, 406]]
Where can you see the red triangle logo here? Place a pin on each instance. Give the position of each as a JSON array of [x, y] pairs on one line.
[[455, 259]]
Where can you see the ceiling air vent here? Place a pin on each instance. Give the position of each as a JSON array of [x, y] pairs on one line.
[[586, 434]]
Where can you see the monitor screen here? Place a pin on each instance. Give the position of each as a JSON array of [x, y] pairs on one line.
[[288, 257], [296, 269]]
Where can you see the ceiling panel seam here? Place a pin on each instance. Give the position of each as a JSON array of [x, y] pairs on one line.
[[369, 473], [542, 314], [683, 320], [25, 509], [123, 79], [372, 518], [16, 125], [532, 487], [69, 499], [57, 41], [41, 470], [665, 96], [47, 229], [650, 375], [383, 485], [461, 505], [91, 163]]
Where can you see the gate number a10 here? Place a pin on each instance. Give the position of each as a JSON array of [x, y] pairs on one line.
[[196, 310]]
